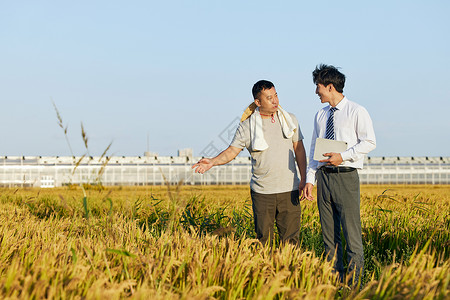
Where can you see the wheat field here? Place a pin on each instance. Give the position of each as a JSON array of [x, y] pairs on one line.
[[198, 242]]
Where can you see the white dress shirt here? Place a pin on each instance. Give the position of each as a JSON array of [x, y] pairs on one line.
[[352, 124]]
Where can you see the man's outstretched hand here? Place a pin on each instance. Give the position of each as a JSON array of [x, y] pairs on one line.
[[203, 165]]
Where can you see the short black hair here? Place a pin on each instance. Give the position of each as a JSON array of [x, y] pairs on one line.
[[261, 86], [326, 74]]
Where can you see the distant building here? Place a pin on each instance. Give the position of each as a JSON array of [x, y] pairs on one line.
[[48, 172], [149, 154], [187, 152]]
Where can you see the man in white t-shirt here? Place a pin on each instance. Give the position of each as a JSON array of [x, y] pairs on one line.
[[274, 140]]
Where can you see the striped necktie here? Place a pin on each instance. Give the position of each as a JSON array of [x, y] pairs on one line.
[[329, 133]]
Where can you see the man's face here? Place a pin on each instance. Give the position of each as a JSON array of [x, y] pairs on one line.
[[324, 92], [267, 101]]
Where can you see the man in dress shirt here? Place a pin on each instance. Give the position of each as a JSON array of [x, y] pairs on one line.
[[338, 195]]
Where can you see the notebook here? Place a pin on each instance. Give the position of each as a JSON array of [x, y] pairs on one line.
[[326, 146]]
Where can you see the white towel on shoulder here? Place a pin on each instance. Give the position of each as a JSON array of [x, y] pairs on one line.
[[257, 134]]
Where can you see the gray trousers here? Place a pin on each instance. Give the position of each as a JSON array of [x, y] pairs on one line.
[[338, 199], [282, 207]]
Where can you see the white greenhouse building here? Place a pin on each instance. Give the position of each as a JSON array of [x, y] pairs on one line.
[[32, 171]]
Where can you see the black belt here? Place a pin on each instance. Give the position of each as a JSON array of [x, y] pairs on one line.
[[337, 169]]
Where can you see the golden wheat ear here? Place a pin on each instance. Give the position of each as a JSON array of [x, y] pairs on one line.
[[248, 111]]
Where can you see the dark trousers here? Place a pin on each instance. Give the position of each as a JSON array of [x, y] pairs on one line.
[[338, 199], [284, 208]]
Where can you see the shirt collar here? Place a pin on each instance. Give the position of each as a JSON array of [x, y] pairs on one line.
[[341, 104]]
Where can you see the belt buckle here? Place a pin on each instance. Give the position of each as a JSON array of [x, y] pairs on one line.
[[331, 169]]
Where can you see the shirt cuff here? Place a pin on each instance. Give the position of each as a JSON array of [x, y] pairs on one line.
[[311, 177], [346, 155]]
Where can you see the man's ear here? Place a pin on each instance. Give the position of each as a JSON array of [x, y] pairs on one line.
[[330, 87], [258, 102]]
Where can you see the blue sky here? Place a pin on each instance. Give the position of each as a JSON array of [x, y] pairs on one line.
[[178, 73]]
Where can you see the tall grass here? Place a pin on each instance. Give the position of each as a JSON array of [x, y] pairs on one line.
[[198, 243], [96, 175]]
